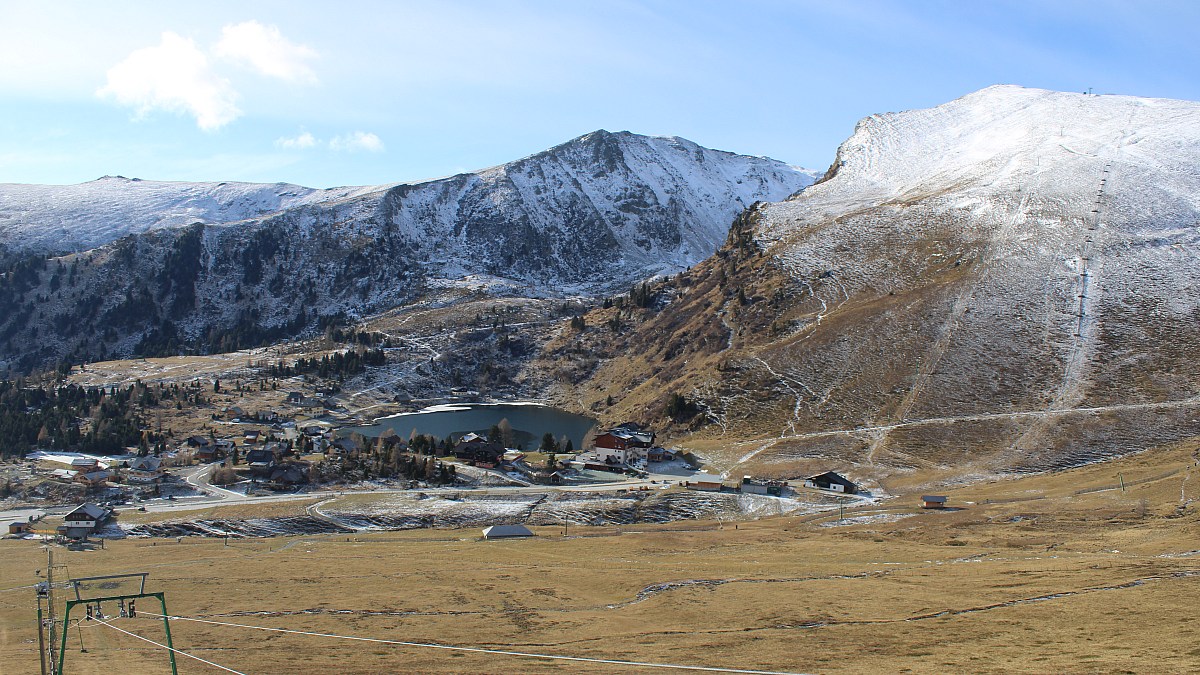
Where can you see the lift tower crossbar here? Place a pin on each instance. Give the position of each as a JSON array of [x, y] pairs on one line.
[[83, 596]]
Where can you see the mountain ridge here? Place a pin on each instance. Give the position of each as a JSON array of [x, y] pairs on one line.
[[583, 218], [1003, 283], [52, 219]]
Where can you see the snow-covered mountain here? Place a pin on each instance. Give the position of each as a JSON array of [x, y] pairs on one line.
[[1009, 281], [602, 208], [615, 179], [203, 267], [71, 218]]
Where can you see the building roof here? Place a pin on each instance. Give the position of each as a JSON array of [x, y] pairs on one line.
[[147, 463], [500, 531], [87, 510], [646, 437], [830, 475], [290, 473], [262, 455], [933, 498]]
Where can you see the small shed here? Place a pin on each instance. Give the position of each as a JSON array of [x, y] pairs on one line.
[[933, 501], [506, 532], [19, 527], [763, 487], [544, 477], [705, 482]]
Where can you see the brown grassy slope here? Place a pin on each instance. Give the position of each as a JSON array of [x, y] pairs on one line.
[[641, 355], [1068, 582], [905, 337], [733, 318]]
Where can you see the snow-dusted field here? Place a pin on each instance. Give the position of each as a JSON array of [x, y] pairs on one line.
[[876, 518], [439, 509], [102, 461]]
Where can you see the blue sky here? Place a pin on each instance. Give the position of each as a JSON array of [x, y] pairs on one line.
[[357, 93]]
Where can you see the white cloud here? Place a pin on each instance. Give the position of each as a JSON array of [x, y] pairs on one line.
[[302, 142], [264, 49], [358, 140], [174, 76]]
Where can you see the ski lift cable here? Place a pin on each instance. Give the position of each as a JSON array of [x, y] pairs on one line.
[[172, 649], [480, 650]]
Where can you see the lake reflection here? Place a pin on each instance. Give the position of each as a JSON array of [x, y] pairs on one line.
[[529, 422]]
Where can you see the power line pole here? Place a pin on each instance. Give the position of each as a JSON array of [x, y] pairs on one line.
[[50, 622], [51, 619], [41, 632]]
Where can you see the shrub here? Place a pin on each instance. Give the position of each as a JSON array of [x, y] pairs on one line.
[[224, 476]]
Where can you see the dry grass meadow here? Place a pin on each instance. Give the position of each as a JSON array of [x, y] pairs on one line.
[[1051, 573]]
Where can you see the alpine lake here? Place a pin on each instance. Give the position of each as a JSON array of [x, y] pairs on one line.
[[529, 422]]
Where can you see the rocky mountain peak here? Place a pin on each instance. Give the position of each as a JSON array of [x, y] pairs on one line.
[[220, 265], [1003, 283]]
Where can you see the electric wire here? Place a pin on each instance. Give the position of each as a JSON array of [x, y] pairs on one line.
[[172, 649], [480, 650]]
